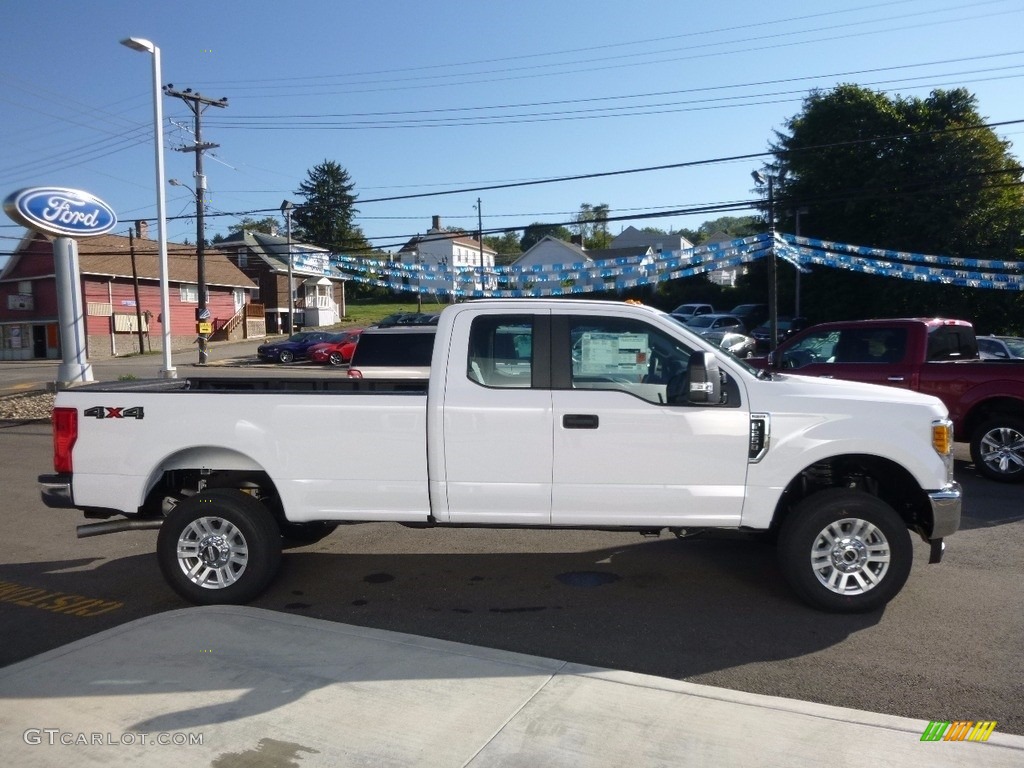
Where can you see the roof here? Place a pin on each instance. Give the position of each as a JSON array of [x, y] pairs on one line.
[[274, 251], [456, 238], [110, 255], [532, 256], [631, 236]]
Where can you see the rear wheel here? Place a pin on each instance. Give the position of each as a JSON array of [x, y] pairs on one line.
[[220, 546], [997, 449], [845, 551]]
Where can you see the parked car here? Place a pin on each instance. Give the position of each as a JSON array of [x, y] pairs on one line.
[[784, 328], [337, 351], [393, 353], [409, 318], [704, 323], [295, 347], [739, 344], [686, 312], [1000, 347], [752, 315]]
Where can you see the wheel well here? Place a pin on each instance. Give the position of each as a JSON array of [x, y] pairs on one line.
[[875, 475], [985, 410], [177, 484]]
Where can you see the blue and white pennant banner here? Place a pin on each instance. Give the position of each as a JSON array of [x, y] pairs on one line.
[[543, 280]]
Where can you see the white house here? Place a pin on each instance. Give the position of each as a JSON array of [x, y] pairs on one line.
[[454, 251], [550, 251]]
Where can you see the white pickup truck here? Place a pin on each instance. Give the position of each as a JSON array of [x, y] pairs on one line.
[[537, 413]]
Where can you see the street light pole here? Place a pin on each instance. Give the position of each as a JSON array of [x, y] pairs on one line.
[[140, 44], [773, 289], [286, 209]]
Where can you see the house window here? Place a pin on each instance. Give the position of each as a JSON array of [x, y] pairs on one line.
[[243, 258], [25, 287], [189, 293]]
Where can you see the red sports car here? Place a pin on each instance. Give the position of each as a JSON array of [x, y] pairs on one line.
[[337, 352]]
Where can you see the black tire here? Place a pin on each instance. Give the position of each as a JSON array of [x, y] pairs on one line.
[[845, 551], [285, 356], [997, 449], [219, 547], [301, 534], [336, 359]]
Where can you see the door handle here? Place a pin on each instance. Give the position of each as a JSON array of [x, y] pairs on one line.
[[895, 378], [580, 420]]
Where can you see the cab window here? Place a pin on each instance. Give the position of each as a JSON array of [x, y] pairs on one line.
[[501, 351], [625, 354]]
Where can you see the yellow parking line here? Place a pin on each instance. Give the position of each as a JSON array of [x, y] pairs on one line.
[[58, 602]]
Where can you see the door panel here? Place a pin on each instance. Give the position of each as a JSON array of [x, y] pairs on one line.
[[647, 464]]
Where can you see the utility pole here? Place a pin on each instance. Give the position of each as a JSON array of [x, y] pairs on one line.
[[480, 238], [198, 103], [135, 282]]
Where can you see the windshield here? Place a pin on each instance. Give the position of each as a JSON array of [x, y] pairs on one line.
[[1016, 346]]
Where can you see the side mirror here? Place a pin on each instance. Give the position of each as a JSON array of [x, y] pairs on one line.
[[703, 378], [701, 384]]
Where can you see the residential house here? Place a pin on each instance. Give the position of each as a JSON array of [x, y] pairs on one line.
[[472, 262], [552, 255], [632, 237], [120, 280], [319, 286]]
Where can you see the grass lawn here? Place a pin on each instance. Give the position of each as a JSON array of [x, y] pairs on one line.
[[362, 313]]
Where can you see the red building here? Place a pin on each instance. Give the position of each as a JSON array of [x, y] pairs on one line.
[[120, 279]]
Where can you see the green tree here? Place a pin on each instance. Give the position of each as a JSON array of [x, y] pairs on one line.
[[326, 217], [733, 226], [269, 225], [536, 232], [591, 225], [506, 247], [912, 174]]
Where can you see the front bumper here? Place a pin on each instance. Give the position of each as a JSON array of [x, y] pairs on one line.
[[946, 505]]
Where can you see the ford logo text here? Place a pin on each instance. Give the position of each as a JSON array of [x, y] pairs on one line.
[[60, 211]]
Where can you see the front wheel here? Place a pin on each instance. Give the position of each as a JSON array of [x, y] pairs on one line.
[[285, 356], [845, 551], [336, 359], [997, 449], [220, 546]]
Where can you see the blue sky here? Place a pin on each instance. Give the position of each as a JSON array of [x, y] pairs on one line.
[[431, 97]]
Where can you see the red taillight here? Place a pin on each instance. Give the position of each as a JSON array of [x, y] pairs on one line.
[[355, 373], [65, 433]]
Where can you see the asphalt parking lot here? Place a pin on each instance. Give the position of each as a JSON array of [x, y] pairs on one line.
[[711, 610]]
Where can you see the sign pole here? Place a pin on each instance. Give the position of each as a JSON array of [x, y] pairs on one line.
[[75, 365]]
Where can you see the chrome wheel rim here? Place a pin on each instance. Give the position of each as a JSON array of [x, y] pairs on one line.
[[212, 553], [1002, 450], [850, 556]]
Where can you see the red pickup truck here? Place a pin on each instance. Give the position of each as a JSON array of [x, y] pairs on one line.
[[938, 357]]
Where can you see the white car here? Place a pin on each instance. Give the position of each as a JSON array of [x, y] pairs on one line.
[[1000, 347]]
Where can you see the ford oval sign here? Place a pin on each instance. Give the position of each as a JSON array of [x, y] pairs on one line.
[[60, 211]]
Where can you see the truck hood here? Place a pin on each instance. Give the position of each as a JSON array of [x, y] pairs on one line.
[[786, 386]]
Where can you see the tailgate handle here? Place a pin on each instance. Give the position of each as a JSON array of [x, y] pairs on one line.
[[580, 421]]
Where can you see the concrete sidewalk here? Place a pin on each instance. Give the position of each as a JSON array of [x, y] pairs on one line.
[[262, 688]]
